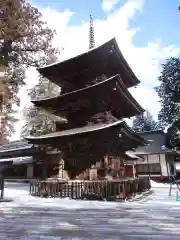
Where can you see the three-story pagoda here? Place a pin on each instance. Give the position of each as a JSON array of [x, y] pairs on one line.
[[94, 100]]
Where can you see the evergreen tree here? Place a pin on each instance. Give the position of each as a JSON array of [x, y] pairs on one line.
[[169, 91], [169, 94], [138, 123], [145, 122], [91, 33], [173, 135], [25, 40], [39, 122]]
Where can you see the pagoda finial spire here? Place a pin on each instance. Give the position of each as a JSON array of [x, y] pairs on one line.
[[91, 33]]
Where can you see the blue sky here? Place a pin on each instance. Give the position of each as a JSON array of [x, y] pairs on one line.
[[159, 19]]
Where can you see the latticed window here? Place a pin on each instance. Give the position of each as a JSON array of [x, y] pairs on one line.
[[155, 168], [149, 168], [142, 168]]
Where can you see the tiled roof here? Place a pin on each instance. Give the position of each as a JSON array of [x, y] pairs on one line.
[[18, 160], [156, 143], [15, 145]]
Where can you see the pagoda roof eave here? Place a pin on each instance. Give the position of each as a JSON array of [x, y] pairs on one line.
[[52, 116], [66, 95], [132, 79], [83, 92], [120, 125], [130, 133], [77, 131]]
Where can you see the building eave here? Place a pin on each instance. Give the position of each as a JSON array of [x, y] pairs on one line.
[[131, 155], [18, 160], [151, 132], [17, 149], [167, 152]]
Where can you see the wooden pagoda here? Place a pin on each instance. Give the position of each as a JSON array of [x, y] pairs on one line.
[[94, 100]]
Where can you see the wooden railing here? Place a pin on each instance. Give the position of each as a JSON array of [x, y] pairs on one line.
[[99, 190]]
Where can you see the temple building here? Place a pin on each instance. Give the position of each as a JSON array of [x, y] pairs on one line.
[[94, 100], [24, 158], [156, 160]]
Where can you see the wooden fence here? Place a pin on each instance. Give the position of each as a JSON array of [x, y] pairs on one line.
[[92, 190]]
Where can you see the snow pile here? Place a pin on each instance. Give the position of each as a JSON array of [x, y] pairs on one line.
[[20, 195], [21, 198], [159, 185]]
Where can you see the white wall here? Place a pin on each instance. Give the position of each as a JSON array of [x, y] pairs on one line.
[[178, 166], [164, 165]]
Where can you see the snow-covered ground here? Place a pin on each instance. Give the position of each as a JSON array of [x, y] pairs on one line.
[[28, 218]]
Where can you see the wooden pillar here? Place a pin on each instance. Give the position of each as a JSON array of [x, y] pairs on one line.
[[122, 168], [44, 169], [61, 169], [136, 169], [93, 174], [133, 170], [2, 185], [167, 167], [148, 165], [160, 165]]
